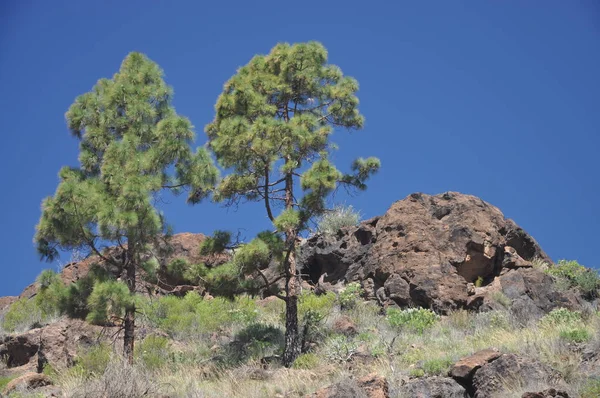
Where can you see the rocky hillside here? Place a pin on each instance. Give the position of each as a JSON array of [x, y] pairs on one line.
[[442, 296]]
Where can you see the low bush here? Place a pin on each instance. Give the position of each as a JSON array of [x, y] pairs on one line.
[[306, 361], [561, 317], [576, 335], [341, 216], [573, 274], [437, 366], [255, 341], [153, 352], [414, 319], [93, 361], [591, 389], [192, 316], [22, 315], [350, 295]]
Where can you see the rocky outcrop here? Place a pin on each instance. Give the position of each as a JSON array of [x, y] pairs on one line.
[[510, 372], [429, 251], [370, 386], [55, 344], [549, 393], [5, 302], [29, 381], [432, 387], [463, 370]]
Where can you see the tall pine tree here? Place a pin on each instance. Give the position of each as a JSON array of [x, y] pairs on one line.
[[132, 145], [272, 127]]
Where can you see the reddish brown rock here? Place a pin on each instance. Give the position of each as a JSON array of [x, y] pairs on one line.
[[56, 344], [344, 325], [464, 369], [428, 251], [493, 378], [371, 386], [6, 301], [549, 393], [432, 387], [28, 380]]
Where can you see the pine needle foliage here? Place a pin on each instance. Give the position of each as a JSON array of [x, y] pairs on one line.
[[131, 139], [272, 129]]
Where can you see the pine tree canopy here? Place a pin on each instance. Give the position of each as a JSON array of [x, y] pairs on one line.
[[132, 145], [273, 120]]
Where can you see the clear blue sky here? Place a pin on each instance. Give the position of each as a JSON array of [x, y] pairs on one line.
[[498, 99]]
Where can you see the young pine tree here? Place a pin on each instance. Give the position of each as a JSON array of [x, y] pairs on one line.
[[272, 127], [131, 139]]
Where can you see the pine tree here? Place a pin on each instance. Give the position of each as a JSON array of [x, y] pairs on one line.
[[272, 126], [132, 145]]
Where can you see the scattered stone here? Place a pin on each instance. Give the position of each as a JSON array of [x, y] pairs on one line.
[[371, 386], [464, 369], [549, 393], [28, 380], [432, 387], [344, 325]]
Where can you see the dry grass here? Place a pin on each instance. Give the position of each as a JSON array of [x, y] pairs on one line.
[[193, 369]]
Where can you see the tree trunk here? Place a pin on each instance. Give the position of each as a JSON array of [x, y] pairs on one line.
[[292, 337], [129, 324]]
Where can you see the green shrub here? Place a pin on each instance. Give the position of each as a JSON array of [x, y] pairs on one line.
[[350, 295], [21, 315], [108, 299], [576, 275], [319, 306], [415, 319], [591, 389], [588, 282], [177, 268], [306, 361], [153, 351], [340, 348], [576, 335], [561, 317], [192, 316], [4, 381], [227, 280], [196, 273], [437, 366], [416, 372], [255, 341], [479, 281], [341, 216], [94, 360]]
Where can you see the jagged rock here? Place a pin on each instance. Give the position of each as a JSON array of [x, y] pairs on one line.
[[464, 369], [28, 380], [432, 387], [549, 393], [55, 344], [371, 386], [428, 251], [344, 325], [509, 371], [5, 302]]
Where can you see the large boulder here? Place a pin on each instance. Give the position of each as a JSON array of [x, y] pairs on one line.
[[429, 251], [56, 344], [432, 387], [510, 372]]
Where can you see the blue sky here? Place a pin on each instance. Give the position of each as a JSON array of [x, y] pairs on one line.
[[495, 99]]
